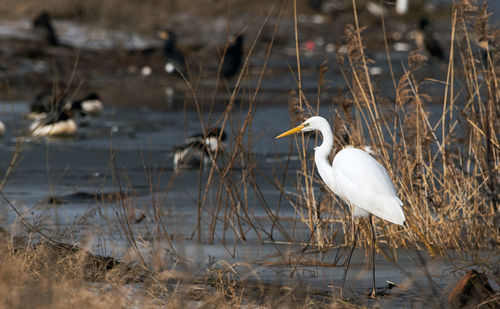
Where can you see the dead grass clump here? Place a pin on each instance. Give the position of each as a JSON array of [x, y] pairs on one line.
[[56, 276], [445, 170]]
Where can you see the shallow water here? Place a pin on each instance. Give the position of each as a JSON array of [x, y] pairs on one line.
[[77, 171]]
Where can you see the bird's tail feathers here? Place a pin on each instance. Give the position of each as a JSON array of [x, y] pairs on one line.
[[391, 211]]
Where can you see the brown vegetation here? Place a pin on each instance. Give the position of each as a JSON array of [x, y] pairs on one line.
[[447, 174]]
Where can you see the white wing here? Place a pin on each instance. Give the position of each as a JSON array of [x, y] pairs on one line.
[[362, 181]]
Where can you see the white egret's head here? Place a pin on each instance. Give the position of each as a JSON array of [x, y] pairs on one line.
[[311, 124]]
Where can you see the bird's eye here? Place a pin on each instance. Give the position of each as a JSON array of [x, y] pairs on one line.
[[306, 124]]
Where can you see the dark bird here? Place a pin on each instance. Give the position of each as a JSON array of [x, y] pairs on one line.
[[233, 58], [199, 149], [44, 103], [89, 105], [175, 60], [424, 38], [43, 24]]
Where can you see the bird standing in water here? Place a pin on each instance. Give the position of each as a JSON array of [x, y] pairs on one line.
[[424, 38], [43, 24], [175, 60], [233, 58], [358, 179]]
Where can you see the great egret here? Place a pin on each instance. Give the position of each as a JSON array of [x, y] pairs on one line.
[[198, 148], [356, 177]]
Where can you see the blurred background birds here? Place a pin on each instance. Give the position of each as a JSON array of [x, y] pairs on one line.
[[199, 149], [175, 61], [233, 57]]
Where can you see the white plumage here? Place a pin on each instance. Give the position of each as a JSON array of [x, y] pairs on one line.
[[89, 105], [92, 107], [66, 127], [365, 184], [356, 177], [57, 123]]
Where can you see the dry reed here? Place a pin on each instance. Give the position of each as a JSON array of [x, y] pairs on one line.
[[446, 172]]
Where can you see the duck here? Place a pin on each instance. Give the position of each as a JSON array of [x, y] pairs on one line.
[[89, 105], [233, 58], [44, 103], [175, 60], [42, 23], [198, 149], [58, 123], [2, 129], [424, 38]]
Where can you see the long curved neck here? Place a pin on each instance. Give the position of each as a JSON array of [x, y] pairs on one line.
[[321, 154]]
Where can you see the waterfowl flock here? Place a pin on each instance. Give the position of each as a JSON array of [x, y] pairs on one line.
[[175, 60], [52, 115], [56, 116]]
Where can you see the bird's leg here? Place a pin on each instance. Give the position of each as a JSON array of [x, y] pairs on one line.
[[355, 231], [374, 291]]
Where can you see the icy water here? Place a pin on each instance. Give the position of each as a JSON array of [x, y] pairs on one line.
[[77, 172], [58, 182]]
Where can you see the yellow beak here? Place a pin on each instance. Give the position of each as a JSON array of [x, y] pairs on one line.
[[163, 34], [292, 131]]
